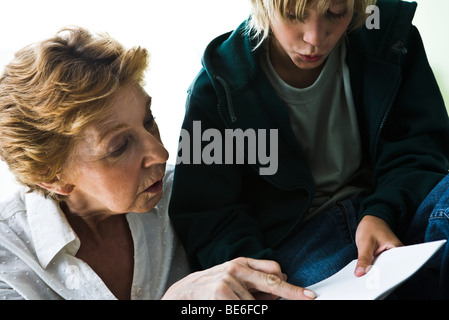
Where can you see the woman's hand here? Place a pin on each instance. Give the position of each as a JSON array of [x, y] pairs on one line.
[[239, 279], [373, 236]]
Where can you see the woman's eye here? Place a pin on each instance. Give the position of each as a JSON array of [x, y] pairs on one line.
[[120, 150], [150, 124]]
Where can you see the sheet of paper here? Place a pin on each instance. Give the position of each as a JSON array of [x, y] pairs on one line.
[[389, 269]]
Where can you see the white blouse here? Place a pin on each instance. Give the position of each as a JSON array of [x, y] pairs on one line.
[[38, 248]]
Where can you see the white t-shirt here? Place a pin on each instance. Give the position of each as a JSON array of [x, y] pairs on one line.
[[324, 121], [38, 248]]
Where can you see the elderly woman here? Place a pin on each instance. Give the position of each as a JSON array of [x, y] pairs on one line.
[[77, 130]]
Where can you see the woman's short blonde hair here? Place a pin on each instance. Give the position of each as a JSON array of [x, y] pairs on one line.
[[263, 12], [51, 91]]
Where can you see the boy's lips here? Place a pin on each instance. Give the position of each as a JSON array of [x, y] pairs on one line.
[[311, 58]]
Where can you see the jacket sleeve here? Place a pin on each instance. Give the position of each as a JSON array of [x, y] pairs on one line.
[[413, 146], [208, 206]]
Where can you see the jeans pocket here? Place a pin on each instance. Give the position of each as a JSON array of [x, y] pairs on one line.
[[348, 216], [438, 227], [322, 246], [437, 269]]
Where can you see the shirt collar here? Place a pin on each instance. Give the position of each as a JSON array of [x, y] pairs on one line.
[[49, 227]]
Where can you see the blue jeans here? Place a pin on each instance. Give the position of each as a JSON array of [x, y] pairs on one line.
[[431, 223], [325, 244], [321, 246]]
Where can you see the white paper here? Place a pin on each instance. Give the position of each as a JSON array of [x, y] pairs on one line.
[[389, 269]]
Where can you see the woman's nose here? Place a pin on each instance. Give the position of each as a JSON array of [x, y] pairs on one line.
[[154, 151]]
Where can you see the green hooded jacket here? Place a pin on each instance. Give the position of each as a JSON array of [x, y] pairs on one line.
[[223, 211]]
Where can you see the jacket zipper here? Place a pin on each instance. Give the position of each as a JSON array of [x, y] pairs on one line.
[[385, 117], [230, 105]]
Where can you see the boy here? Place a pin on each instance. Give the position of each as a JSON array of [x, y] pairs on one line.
[[363, 138]]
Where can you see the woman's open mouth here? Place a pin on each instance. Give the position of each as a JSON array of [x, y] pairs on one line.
[[154, 188]]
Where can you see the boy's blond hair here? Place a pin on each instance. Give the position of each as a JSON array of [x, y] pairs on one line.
[[51, 91], [263, 12]]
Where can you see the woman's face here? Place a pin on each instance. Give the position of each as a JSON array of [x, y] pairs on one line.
[[308, 43], [118, 167]]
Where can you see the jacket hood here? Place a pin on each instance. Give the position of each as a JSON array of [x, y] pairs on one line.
[[231, 57]]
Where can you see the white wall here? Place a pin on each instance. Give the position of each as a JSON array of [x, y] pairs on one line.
[[431, 19], [176, 33]]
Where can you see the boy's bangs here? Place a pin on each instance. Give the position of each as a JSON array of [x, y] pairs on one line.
[[287, 8]]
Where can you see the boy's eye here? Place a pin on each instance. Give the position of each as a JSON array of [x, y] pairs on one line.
[[336, 16], [291, 16]]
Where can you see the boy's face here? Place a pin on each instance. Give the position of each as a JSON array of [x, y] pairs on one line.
[[308, 43]]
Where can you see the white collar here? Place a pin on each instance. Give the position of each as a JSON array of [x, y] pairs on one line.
[[50, 230]]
